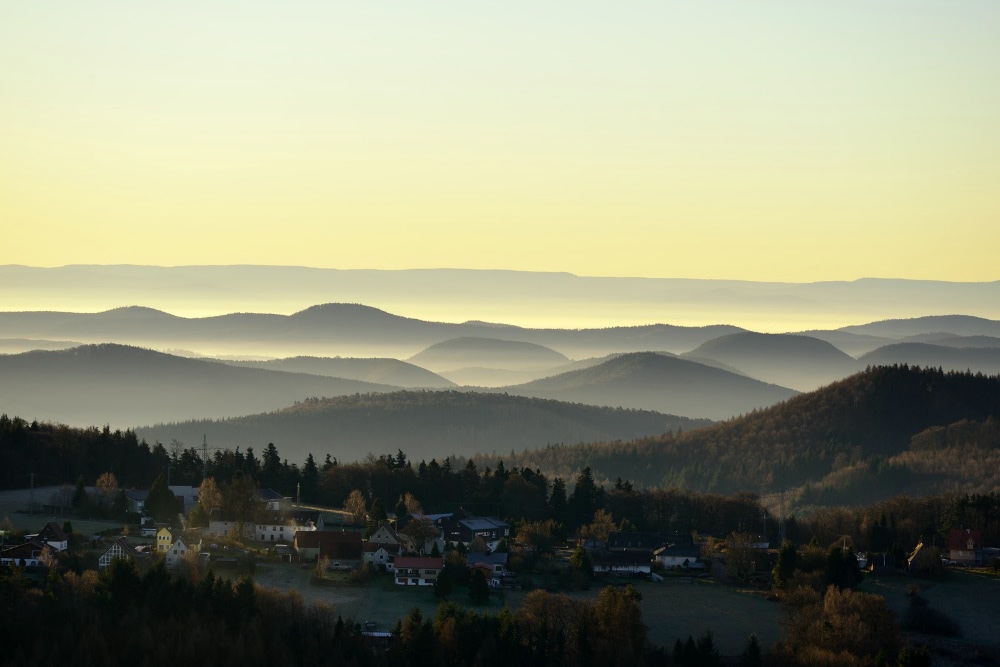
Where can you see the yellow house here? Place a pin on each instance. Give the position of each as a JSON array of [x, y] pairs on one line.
[[164, 540]]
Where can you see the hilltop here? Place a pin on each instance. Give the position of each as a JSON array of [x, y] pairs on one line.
[[125, 386], [426, 424], [800, 362], [653, 381], [864, 425]]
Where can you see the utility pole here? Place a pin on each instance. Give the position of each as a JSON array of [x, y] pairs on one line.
[[204, 457]]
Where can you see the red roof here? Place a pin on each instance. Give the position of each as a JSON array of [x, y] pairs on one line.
[[419, 563], [958, 539]]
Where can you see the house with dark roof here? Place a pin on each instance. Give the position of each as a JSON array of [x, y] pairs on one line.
[[343, 549], [23, 555], [136, 499], [679, 556], [121, 548], [52, 535], [466, 528]]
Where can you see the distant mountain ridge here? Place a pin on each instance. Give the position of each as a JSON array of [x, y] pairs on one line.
[[126, 386], [425, 424], [331, 330], [528, 298]]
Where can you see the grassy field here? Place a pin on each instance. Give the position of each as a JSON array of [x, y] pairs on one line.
[[671, 609], [971, 599], [14, 505]]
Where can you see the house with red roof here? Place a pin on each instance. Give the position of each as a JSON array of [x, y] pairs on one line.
[[966, 546], [418, 570]]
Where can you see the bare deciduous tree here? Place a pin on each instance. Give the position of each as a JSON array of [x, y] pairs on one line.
[[357, 506]]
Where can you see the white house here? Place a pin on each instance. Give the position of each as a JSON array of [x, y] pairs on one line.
[[53, 536], [25, 555], [417, 570], [682, 556], [176, 553], [121, 548]]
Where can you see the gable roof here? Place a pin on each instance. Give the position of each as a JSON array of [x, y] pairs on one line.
[[331, 544], [625, 540], [30, 549], [475, 523], [478, 557], [958, 539], [419, 563], [52, 533], [679, 551]]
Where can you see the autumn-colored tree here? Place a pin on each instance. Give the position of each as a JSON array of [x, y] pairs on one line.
[[209, 496], [356, 506]]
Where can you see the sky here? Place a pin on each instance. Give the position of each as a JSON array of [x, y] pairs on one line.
[[771, 140]]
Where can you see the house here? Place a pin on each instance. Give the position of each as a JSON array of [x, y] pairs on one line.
[[465, 529], [496, 563], [136, 499], [679, 556], [387, 537], [622, 561], [282, 526], [224, 528], [966, 546], [343, 549], [418, 570], [121, 548], [379, 555], [52, 535], [273, 501], [23, 555], [176, 553], [188, 494], [164, 540]]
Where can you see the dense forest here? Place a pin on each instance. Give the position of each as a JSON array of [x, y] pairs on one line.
[[124, 617], [426, 424], [879, 425]]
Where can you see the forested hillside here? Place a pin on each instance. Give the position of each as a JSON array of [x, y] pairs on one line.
[[863, 420], [426, 424]]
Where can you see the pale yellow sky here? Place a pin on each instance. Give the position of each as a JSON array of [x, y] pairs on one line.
[[792, 141]]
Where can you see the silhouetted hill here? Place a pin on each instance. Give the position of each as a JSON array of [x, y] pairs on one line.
[[381, 371], [331, 330], [426, 424], [861, 421], [962, 325], [850, 343], [18, 345], [952, 340], [800, 362], [125, 386], [487, 353], [985, 360], [652, 381]]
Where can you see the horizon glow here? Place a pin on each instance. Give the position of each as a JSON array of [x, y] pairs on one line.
[[770, 141]]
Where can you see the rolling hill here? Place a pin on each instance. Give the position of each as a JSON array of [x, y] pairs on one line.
[[652, 381], [800, 362], [335, 329], [961, 325], [470, 352], [878, 433], [426, 424], [380, 371], [126, 386], [985, 360]]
